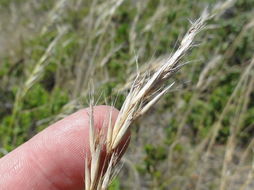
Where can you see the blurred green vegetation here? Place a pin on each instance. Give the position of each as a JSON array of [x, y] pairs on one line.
[[105, 48]]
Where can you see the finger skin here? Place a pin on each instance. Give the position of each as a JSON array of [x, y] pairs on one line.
[[54, 158]]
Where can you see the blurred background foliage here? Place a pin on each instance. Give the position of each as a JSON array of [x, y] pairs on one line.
[[200, 136]]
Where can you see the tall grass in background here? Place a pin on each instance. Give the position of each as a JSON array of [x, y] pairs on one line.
[[200, 136]]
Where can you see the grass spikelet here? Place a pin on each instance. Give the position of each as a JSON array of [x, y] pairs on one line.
[[145, 91]]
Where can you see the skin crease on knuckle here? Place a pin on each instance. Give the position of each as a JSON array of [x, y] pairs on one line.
[[54, 158]]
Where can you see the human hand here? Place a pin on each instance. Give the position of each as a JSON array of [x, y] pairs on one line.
[[54, 158]]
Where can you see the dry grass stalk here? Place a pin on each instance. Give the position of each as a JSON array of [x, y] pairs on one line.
[[97, 24], [211, 139], [35, 75], [145, 92]]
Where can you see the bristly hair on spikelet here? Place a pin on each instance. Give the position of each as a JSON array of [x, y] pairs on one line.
[[145, 91]]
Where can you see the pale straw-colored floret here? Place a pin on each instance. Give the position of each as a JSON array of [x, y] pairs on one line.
[[145, 91]]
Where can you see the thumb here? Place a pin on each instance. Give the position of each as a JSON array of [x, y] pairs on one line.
[[54, 158]]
